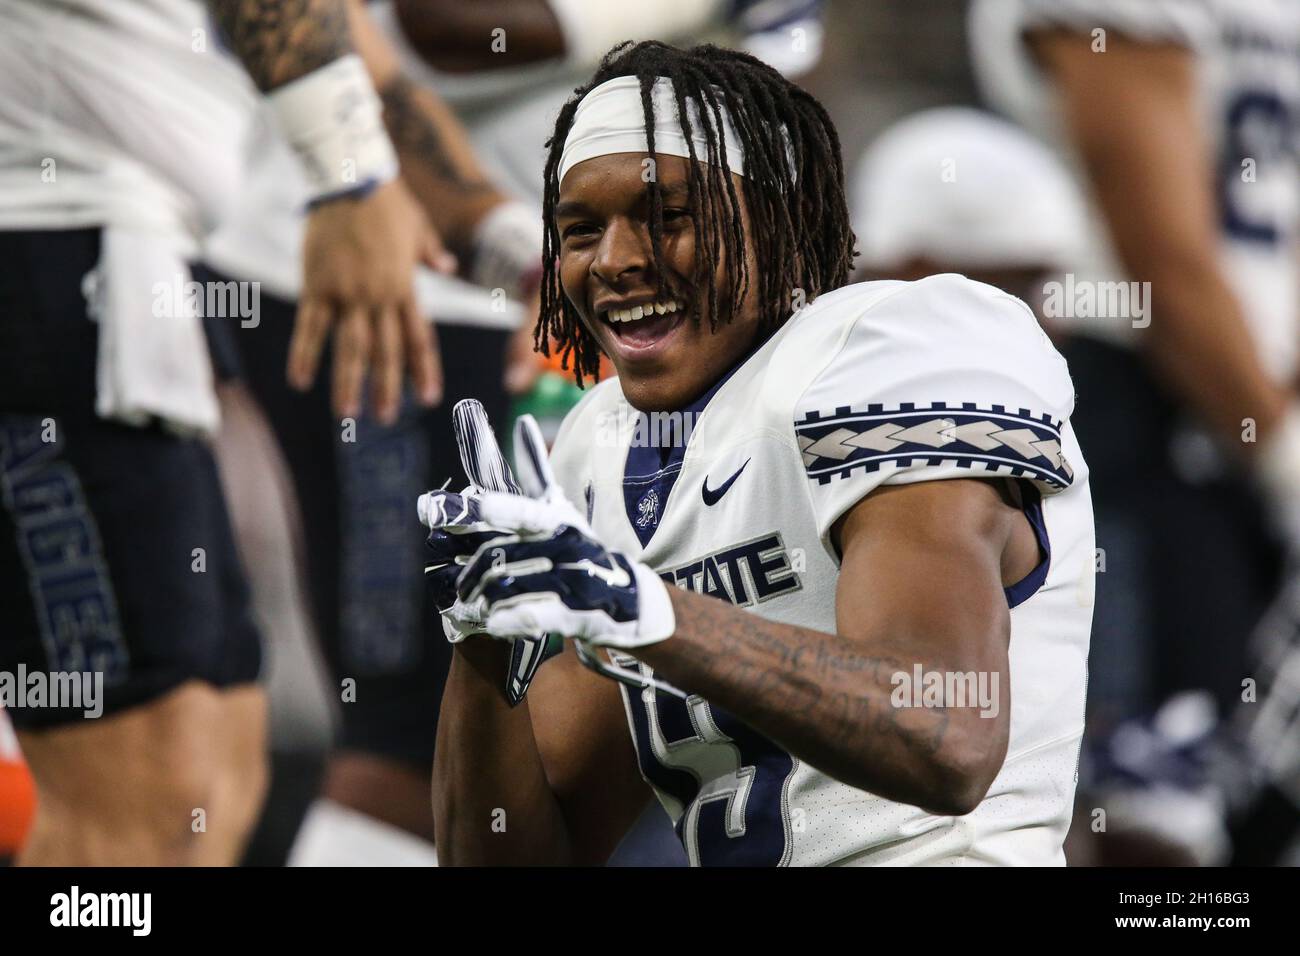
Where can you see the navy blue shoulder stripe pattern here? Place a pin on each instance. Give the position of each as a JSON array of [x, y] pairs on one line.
[[1014, 442]]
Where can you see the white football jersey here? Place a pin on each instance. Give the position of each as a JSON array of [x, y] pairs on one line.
[[124, 113], [875, 383], [1248, 78]]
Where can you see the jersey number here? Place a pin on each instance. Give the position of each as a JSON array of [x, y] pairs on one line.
[[1258, 127], [730, 780]]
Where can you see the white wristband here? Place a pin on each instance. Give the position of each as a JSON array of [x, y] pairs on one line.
[[507, 250], [334, 121]]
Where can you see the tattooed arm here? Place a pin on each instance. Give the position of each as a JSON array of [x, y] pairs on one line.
[[362, 243], [438, 162], [439, 165], [920, 583], [281, 40]]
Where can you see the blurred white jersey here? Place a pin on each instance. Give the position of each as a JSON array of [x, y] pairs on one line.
[[1248, 72], [876, 383], [124, 113], [126, 116]]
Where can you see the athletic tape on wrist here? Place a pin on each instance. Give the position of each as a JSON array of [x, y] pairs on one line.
[[508, 250], [334, 121]]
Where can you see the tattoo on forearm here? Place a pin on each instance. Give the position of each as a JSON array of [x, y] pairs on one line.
[[416, 135], [280, 40], [799, 674]]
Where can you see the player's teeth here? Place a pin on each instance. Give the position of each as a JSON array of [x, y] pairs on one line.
[[641, 311]]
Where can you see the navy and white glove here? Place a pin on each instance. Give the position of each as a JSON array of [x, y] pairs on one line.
[[549, 572], [457, 532], [456, 537]]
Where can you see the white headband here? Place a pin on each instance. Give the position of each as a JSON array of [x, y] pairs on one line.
[[610, 120]]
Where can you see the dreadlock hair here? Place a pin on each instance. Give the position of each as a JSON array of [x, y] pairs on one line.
[[793, 188]]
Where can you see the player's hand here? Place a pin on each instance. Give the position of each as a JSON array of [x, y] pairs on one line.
[[359, 259], [550, 574], [566, 583], [457, 532]]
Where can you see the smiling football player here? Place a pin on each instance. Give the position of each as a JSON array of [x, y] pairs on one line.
[[849, 605]]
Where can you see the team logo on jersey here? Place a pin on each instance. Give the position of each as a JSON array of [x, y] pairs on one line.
[[748, 573], [712, 496], [1006, 441], [647, 509]]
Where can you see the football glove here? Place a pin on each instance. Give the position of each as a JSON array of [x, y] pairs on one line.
[[550, 573], [457, 532]]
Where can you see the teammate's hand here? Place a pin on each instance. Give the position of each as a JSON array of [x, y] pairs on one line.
[[551, 574], [359, 258]]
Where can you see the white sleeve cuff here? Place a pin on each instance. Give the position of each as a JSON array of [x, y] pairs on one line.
[[657, 621]]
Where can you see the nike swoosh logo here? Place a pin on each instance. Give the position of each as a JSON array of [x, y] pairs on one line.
[[711, 497], [615, 577]]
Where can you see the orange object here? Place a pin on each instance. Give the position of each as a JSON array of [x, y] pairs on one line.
[[552, 363], [17, 793]]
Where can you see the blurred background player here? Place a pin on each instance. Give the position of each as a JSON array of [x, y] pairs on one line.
[[1178, 119], [115, 547]]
